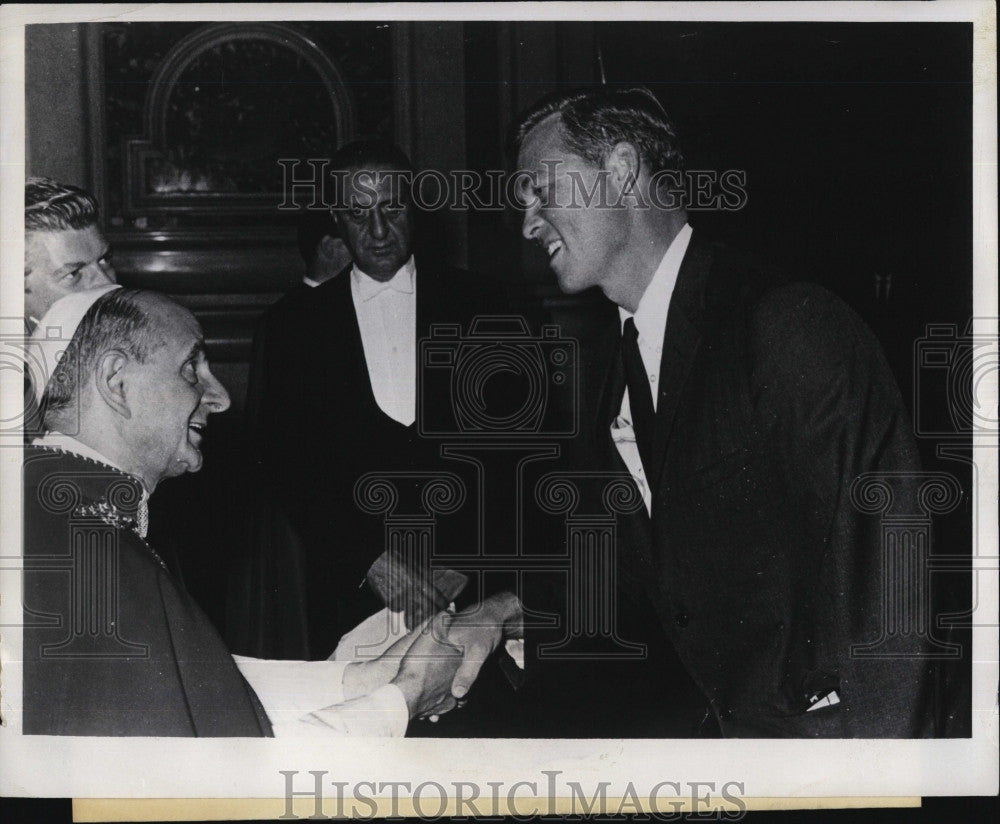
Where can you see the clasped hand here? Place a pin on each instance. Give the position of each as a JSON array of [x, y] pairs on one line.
[[437, 663]]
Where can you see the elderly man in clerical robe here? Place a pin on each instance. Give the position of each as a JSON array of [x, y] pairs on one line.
[[113, 644]]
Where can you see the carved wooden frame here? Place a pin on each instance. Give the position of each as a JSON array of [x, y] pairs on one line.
[[136, 201]]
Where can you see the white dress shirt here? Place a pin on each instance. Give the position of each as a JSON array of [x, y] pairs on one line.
[[301, 698], [387, 317], [650, 322]]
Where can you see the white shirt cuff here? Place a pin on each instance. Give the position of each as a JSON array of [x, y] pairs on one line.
[[306, 698], [515, 649], [290, 689], [383, 713]]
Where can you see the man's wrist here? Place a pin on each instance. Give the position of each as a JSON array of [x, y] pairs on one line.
[[510, 614], [364, 677], [409, 685]]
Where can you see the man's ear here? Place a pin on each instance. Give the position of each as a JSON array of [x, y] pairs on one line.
[[624, 163], [111, 381]]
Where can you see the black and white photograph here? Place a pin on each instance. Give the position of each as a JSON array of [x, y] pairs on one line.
[[513, 396]]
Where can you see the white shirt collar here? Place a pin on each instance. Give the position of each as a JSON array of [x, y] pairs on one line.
[[65, 443], [651, 313], [367, 287], [56, 440]]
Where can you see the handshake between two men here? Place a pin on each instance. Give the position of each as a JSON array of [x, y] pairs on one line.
[[125, 406], [436, 663]]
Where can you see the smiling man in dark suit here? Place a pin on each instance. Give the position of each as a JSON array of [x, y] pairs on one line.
[[337, 387], [743, 407]]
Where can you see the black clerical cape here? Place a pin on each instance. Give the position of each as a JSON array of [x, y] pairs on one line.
[[113, 644]]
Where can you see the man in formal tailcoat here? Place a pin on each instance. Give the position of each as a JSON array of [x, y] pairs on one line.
[[745, 408], [335, 391]]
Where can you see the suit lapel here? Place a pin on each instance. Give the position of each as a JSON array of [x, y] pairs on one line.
[[681, 340], [424, 286], [438, 301]]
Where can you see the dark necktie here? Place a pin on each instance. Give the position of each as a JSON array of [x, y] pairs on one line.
[[639, 397]]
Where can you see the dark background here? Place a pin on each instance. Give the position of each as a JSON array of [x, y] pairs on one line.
[[855, 139]]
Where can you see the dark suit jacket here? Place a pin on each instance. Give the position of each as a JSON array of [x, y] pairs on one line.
[[113, 645], [318, 429], [761, 572]]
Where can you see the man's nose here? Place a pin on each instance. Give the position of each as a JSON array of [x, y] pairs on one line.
[[377, 225], [98, 274], [216, 398], [532, 222]]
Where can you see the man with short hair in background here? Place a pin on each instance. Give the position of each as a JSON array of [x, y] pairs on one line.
[[64, 249], [335, 391], [64, 252]]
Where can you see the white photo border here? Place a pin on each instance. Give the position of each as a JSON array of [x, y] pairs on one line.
[[219, 768]]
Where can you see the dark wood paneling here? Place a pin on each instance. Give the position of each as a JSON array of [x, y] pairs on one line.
[[228, 287], [208, 270]]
